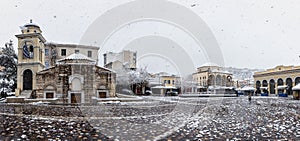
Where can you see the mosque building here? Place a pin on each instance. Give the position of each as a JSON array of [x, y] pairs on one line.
[[61, 73]]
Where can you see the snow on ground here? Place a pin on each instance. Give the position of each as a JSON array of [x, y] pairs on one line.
[[160, 118]]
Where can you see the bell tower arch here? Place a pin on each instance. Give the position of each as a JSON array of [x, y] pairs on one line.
[[31, 56]]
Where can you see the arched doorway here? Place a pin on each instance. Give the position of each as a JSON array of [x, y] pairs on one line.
[[280, 83], [258, 85], [297, 80], [289, 84], [265, 84], [272, 86], [27, 80]]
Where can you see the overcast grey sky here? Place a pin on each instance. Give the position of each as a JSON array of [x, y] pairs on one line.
[[250, 33]]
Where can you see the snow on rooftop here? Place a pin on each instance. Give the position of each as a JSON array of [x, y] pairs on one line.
[[208, 64], [77, 56], [220, 71]]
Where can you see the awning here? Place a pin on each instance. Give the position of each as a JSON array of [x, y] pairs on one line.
[[246, 88], [264, 88], [281, 87], [296, 88]]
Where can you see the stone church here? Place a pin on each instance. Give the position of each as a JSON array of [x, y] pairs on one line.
[[61, 73]]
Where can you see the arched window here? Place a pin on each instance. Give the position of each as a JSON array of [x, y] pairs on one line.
[[297, 80], [289, 83], [31, 50], [265, 83], [27, 80], [76, 84], [279, 82], [258, 85]]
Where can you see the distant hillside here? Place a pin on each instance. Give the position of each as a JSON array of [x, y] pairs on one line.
[[242, 74]]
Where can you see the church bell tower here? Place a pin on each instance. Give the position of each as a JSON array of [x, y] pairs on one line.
[[31, 46]]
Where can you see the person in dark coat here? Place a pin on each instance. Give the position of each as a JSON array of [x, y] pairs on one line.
[[249, 97]]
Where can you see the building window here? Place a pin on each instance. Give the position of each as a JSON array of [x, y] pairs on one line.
[[49, 95], [102, 94], [47, 64], [173, 82], [104, 55], [63, 52], [46, 52], [76, 51], [169, 81], [89, 53], [31, 51], [40, 57]]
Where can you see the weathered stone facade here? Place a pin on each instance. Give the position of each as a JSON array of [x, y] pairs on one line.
[[62, 73], [59, 81]]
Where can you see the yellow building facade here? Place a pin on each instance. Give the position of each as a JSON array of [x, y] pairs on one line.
[[31, 46], [277, 80], [212, 75], [170, 81]]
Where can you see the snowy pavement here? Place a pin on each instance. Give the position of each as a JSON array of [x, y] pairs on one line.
[[157, 118], [237, 119]]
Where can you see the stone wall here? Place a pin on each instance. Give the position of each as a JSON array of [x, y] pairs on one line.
[[60, 78]]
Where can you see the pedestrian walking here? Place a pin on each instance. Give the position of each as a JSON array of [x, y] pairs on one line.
[[249, 97]]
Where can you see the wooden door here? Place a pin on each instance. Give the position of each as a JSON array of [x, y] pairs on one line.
[[76, 98]]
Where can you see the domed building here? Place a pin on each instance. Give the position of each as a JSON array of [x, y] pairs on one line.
[[62, 73], [211, 75]]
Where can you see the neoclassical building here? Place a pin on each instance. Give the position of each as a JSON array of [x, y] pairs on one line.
[[62, 72], [277, 80], [211, 74]]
